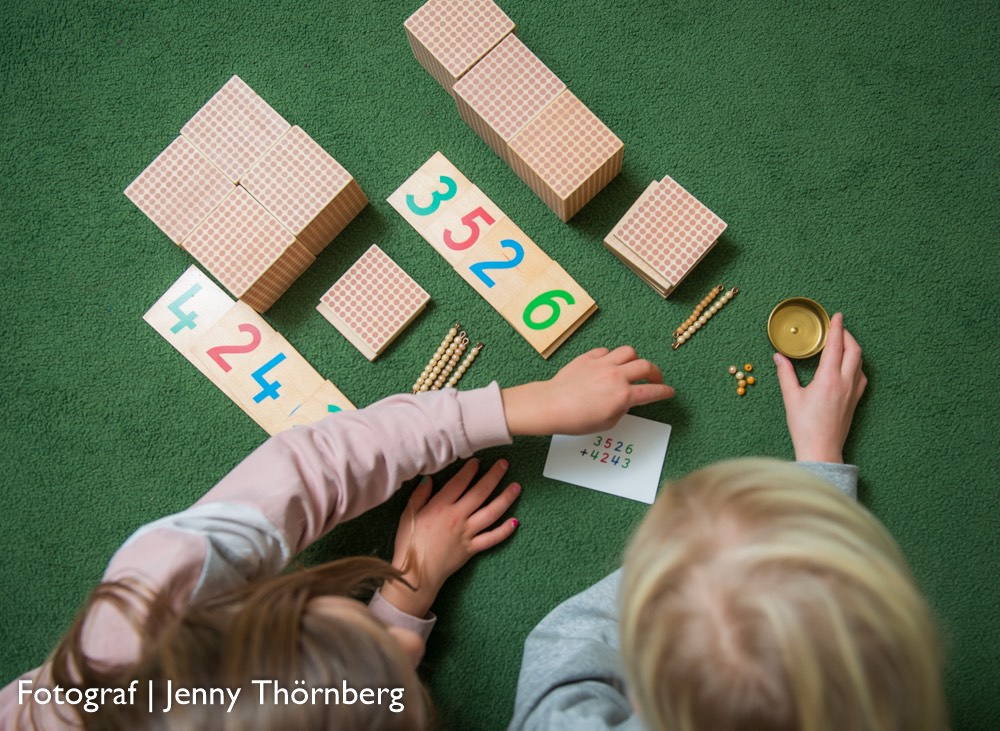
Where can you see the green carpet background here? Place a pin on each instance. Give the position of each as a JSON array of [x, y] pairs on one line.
[[852, 147]]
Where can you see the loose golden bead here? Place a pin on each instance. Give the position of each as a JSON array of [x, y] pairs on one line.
[[740, 391], [748, 367], [751, 380], [741, 383], [739, 375], [732, 370]]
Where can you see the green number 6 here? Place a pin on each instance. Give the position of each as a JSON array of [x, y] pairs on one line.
[[547, 299]]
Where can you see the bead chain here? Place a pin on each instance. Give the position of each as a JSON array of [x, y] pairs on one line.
[[698, 310], [704, 317], [460, 371], [452, 355], [425, 378]]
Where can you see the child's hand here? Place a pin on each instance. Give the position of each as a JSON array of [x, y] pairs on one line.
[[591, 392], [819, 415], [438, 535]]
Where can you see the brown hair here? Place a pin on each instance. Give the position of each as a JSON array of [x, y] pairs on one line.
[[757, 596], [263, 631]]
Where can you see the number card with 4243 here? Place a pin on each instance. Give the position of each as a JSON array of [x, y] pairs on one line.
[[532, 292], [625, 460]]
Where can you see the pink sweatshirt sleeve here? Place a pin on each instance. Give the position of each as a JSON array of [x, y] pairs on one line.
[[307, 480]]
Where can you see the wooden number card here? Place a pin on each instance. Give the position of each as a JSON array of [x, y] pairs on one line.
[[241, 354], [533, 293]]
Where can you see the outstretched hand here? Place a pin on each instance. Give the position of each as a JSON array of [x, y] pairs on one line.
[[591, 392], [438, 535], [819, 415]]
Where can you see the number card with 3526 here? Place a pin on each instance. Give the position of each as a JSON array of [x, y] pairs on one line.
[[532, 292]]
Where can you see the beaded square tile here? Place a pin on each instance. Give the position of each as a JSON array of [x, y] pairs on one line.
[[373, 302], [297, 180], [509, 87], [235, 128], [179, 189], [457, 33], [566, 144], [670, 230], [239, 242]]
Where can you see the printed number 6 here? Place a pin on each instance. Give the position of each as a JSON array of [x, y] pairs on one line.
[[547, 299], [437, 197], [469, 220]]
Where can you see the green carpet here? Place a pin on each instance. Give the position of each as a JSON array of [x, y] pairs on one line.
[[852, 147]]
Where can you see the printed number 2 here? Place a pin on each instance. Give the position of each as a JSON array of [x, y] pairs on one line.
[[218, 351], [437, 197], [184, 319], [480, 267]]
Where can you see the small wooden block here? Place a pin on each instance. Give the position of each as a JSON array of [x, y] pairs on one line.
[[637, 265], [505, 91], [566, 155], [188, 310], [537, 305], [257, 367], [670, 231], [309, 192], [448, 37], [373, 302], [427, 194], [248, 251], [235, 128], [179, 189], [469, 216], [326, 400]]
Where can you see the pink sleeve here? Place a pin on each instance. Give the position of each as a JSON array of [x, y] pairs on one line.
[[307, 480]]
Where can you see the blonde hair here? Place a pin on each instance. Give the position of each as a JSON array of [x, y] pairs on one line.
[[757, 596], [263, 631]]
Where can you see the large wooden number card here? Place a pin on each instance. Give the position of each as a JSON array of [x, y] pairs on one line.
[[532, 292], [242, 355]]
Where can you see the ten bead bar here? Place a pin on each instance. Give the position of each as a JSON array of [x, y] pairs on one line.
[[425, 373], [705, 317], [698, 310], [454, 353], [460, 371]]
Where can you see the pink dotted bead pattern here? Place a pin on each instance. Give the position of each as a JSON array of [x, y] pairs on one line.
[[670, 230], [509, 87], [457, 33], [179, 189], [297, 180], [566, 145], [235, 128], [268, 289], [239, 242], [375, 298]]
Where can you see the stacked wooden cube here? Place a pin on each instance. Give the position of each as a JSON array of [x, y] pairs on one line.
[[519, 107], [664, 235], [253, 198]]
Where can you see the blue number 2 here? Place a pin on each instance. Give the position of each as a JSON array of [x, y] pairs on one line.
[[480, 267], [269, 389]]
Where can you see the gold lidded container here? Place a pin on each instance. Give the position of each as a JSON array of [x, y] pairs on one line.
[[798, 327]]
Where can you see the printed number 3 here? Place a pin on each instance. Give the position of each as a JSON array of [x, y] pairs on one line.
[[437, 197]]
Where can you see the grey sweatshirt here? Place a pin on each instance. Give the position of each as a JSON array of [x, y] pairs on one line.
[[572, 677]]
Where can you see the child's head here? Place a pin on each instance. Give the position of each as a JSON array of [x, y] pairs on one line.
[[296, 635], [756, 596]]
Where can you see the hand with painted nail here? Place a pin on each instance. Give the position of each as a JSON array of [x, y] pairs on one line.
[[438, 535], [819, 415], [591, 392]]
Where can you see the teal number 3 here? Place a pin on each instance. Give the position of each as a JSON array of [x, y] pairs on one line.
[[437, 198]]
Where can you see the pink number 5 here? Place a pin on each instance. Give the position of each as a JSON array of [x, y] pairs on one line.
[[469, 220]]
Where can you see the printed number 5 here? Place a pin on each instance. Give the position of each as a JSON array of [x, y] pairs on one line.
[[437, 197], [469, 220]]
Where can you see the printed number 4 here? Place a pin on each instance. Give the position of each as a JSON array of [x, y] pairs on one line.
[[437, 197], [184, 319]]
